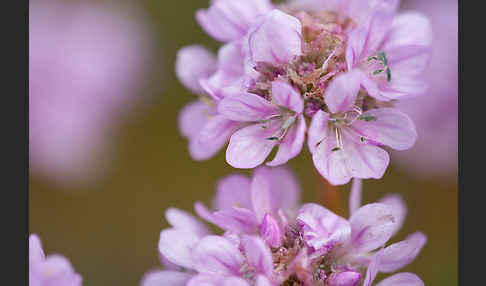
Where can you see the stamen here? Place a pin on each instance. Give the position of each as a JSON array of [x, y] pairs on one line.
[[263, 121], [355, 110], [339, 145], [285, 127]]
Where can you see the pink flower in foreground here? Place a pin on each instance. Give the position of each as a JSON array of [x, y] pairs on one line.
[[86, 62], [53, 270], [269, 240], [338, 64]]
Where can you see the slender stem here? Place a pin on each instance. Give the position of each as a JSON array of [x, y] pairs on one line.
[[329, 195]]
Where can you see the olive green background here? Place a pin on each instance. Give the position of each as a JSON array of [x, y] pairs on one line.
[[109, 230]]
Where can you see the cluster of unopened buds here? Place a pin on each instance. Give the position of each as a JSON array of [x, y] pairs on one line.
[[269, 239], [326, 68]]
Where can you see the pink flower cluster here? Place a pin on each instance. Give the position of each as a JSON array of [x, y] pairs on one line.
[[270, 240], [54, 270], [86, 63], [329, 69]]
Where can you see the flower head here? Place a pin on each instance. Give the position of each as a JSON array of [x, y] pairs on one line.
[[53, 270], [331, 69], [269, 240]]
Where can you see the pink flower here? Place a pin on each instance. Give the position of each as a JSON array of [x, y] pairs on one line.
[[368, 229], [278, 121], [267, 242], [436, 114], [390, 55], [53, 270], [336, 64], [79, 89], [249, 206], [345, 141]]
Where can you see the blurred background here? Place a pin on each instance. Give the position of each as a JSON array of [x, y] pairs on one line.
[[107, 159]]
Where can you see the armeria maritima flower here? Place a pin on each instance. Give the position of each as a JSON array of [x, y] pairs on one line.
[[86, 63], [53, 270], [331, 69], [270, 240]]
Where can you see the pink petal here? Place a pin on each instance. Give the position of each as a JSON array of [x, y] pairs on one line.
[[212, 137], [371, 85], [182, 220], [204, 212], [285, 188], [355, 159], [408, 61], [258, 254], [372, 226], [235, 281], [355, 195], [247, 107], [36, 253], [176, 245], [231, 58], [332, 5], [345, 278], [56, 270], [193, 63], [378, 27], [216, 255], [400, 254], [342, 92], [249, 146], [205, 279], [270, 231], [285, 95], [165, 278], [262, 196], [399, 208], [317, 130], [402, 279], [262, 281], [275, 39], [291, 145], [321, 228], [392, 128], [360, 11], [356, 46], [233, 190], [404, 87], [228, 20], [230, 72], [193, 117], [239, 220], [373, 268], [409, 28]]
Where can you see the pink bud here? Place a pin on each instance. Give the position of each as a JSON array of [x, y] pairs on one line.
[[270, 231], [345, 278]]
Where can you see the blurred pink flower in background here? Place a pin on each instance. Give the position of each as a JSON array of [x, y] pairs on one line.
[[436, 113], [86, 65]]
